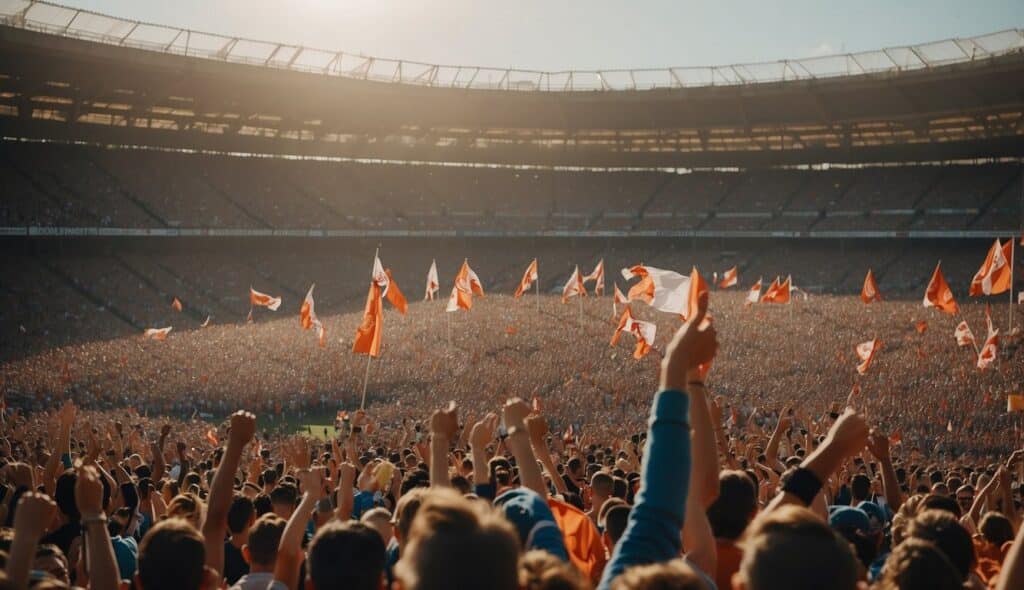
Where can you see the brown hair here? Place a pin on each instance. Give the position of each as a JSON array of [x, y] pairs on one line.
[[917, 564], [264, 537], [456, 543], [540, 570], [172, 556], [668, 575]]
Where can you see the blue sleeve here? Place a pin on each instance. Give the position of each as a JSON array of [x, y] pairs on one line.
[[656, 521], [65, 460], [361, 502]]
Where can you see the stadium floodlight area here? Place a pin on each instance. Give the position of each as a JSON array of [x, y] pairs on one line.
[[92, 26]]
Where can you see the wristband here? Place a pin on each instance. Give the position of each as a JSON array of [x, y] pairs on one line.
[[98, 519], [803, 484], [697, 383], [515, 430]]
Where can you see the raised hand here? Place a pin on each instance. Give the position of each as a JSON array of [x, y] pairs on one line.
[[482, 433], [537, 426], [849, 434], [694, 343], [445, 423], [89, 492], [243, 428], [515, 413], [878, 444], [34, 513]]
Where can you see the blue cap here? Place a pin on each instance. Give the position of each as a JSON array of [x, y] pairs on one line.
[[875, 514], [848, 517], [533, 520]]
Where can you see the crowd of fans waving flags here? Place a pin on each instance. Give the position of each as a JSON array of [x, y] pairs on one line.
[[662, 290]]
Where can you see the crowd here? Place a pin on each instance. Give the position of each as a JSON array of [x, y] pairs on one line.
[[506, 491]]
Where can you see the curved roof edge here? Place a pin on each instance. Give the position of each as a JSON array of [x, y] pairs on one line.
[[65, 21]]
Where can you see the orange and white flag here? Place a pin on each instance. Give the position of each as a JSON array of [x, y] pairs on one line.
[[939, 295], [644, 332], [989, 351], [869, 292], [432, 282], [211, 437], [618, 295], [664, 290], [963, 334], [157, 333], [598, 277], [527, 281], [309, 320], [263, 300], [729, 279], [368, 334], [754, 294], [995, 273], [698, 286], [574, 286], [176, 304], [866, 352], [778, 292], [388, 286], [989, 327], [466, 285]]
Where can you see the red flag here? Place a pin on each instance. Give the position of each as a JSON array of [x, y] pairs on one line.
[[527, 281], [388, 286], [778, 292], [263, 300], [939, 295], [866, 352], [989, 351], [368, 334], [466, 285], [729, 279], [754, 294], [619, 297], [995, 273], [963, 334], [870, 292], [176, 304]]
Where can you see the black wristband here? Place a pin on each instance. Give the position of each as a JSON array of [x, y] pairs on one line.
[[804, 485]]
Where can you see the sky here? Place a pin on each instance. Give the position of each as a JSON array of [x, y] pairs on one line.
[[594, 34]]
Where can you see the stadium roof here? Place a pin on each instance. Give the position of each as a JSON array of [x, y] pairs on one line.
[[77, 75]]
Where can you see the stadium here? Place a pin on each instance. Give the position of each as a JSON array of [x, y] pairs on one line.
[[143, 164]]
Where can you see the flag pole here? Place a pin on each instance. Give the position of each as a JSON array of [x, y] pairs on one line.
[[366, 379], [536, 284], [1013, 245], [580, 297]]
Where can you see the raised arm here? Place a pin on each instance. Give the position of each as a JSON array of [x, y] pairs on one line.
[[289, 549], [102, 566], [243, 427], [538, 429], [878, 444], [481, 435], [31, 516], [771, 453], [704, 484], [443, 425], [518, 441], [653, 532]]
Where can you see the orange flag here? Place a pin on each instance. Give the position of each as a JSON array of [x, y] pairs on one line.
[[263, 300], [963, 334], [211, 437], [644, 332], [388, 286], [574, 286], [729, 279], [870, 292], [866, 352], [989, 351], [309, 320], [527, 281], [368, 334], [466, 285], [664, 290], [777, 292], [582, 540], [995, 273], [156, 333], [698, 286], [754, 294], [1015, 402], [939, 295], [176, 304], [598, 277], [921, 326], [432, 282]]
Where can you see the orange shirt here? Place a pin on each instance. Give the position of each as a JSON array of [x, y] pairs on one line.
[[729, 557]]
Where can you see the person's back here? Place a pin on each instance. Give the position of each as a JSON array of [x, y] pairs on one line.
[[918, 565], [791, 548], [729, 516], [458, 544]]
